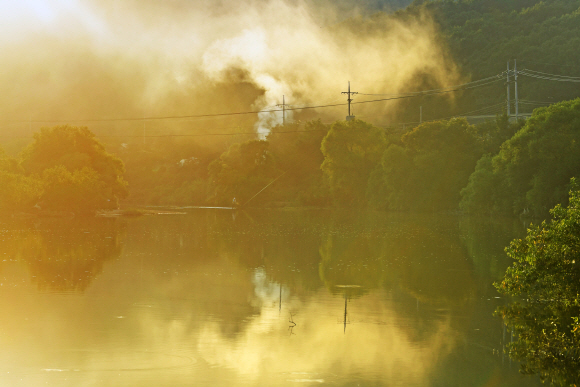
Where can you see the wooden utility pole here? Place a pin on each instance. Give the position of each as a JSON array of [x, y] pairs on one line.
[[349, 99], [283, 106]]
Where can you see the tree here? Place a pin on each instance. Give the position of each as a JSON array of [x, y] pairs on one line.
[[532, 169], [241, 172], [78, 173], [546, 272], [351, 151], [428, 169], [297, 150], [18, 192]]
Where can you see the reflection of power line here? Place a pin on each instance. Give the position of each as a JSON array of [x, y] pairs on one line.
[[345, 313]]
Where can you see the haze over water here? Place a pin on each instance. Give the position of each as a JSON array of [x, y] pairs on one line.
[[255, 298]]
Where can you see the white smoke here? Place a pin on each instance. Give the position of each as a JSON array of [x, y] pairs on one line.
[[250, 51], [174, 58]]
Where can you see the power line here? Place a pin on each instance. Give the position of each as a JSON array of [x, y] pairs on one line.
[[158, 118], [447, 89], [188, 135], [550, 77], [389, 97]]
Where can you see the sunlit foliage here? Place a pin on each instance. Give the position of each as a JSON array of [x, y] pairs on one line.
[[532, 169], [65, 169], [546, 272], [78, 175]]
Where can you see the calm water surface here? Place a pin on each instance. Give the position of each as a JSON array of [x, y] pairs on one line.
[[255, 298]]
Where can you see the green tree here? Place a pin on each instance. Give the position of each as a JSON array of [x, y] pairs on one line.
[[81, 191], [76, 169], [18, 192], [351, 151], [297, 151], [532, 169], [546, 272], [241, 172], [428, 169]]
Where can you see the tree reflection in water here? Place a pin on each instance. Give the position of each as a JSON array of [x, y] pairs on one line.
[[546, 272], [65, 255], [547, 340]]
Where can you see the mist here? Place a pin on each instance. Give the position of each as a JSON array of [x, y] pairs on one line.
[[66, 61]]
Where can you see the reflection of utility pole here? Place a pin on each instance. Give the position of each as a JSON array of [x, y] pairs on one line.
[[143, 126], [345, 300], [280, 307], [349, 93]]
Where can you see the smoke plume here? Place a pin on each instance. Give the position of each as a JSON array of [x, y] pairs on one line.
[[67, 60]]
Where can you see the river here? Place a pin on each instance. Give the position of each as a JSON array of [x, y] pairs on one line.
[[255, 298]]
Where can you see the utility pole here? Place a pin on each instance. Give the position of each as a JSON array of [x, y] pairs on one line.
[[516, 83], [508, 90], [420, 114], [283, 106], [349, 93]]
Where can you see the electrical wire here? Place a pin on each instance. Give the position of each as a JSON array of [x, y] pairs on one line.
[[552, 75], [549, 78], [157, 118], [445, 89]]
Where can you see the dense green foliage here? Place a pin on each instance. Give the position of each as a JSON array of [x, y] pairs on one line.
[[351, 152], [427, 169], [18, 192], [297, 151], [64, 169], [546, 272], [241, 172], [482, 35], [532, 169]]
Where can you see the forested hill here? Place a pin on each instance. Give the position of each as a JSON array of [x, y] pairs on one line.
[[482, 35]]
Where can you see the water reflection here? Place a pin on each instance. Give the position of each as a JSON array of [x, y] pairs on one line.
[[267, 298], [544, 342], [64, 254]]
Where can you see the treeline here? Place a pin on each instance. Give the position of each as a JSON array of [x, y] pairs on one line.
[[495, 167], [481, 36], [502, 167]]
